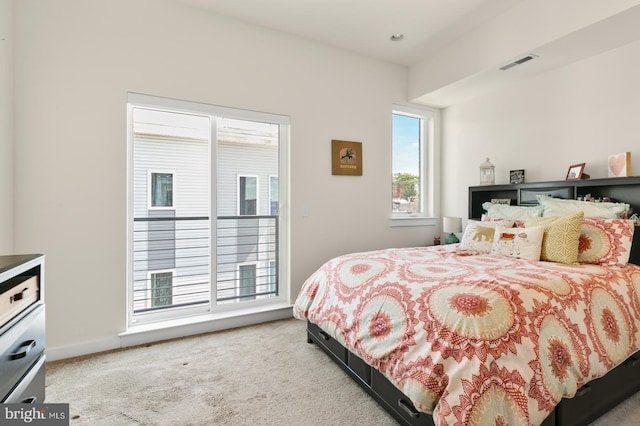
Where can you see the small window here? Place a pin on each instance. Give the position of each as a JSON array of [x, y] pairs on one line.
[[247, 196], [161, 195], [161, 289], [247, 281], [410, 142]]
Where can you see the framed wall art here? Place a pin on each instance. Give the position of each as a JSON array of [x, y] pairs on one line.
[[346, 158]]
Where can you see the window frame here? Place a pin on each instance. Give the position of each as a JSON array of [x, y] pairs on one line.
[[429, 166], [140, 322]]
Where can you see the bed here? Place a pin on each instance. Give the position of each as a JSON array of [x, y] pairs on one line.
[[460, 335]]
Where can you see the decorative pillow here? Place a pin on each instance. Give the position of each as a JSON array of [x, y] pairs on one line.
[[478, 236], [488, 221], [504, 211], [561, 207], [605, 241], [521, 243], [561, 237]]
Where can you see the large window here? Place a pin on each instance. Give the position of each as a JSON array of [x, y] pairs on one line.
[[205, 231], [412, 134]]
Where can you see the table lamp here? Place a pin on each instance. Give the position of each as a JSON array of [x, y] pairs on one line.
[[451, 226]]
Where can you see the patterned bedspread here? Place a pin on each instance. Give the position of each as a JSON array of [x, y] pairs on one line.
[[477, 339]]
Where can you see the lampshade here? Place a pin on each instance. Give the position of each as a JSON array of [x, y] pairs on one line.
[[452, 225]]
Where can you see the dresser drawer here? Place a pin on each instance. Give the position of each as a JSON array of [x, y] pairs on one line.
[[16, 295], [30, 390], [20, 346]]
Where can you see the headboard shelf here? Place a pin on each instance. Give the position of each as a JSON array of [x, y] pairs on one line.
[[623, 189]]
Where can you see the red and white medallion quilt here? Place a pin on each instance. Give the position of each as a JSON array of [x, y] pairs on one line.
[[477, 339]]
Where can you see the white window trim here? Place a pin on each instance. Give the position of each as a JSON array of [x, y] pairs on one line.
[[238, 194], [430, 169], [150, 173]]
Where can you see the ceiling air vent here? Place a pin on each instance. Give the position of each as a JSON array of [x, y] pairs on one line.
[[518, 62]]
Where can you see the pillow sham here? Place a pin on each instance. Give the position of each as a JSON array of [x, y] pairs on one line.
[[521, 243], [478, 236], [562, 207], [561, 237], [504, 211], [605, 241]]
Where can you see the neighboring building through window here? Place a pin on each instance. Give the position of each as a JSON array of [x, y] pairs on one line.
[[410, 142]]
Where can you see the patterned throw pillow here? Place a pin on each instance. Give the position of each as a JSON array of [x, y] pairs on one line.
[[478, 236], [561, 237], [605, 241], [521, 243]]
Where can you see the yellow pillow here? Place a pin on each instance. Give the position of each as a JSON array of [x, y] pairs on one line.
[[561, 237]]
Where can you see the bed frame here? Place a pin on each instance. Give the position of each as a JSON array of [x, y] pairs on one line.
[[594, 398]]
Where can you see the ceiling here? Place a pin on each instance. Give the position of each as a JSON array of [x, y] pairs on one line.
[[453, 49], [365, 26]]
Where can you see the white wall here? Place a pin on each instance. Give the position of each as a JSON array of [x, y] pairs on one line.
[[75, 61], [6, 127], [582, 112]]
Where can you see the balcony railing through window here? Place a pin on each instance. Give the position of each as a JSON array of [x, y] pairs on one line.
[[172, 255]]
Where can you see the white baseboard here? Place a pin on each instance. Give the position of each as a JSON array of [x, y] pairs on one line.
[[158, 332]]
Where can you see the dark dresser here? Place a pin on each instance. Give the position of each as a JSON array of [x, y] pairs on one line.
[[22, 329]]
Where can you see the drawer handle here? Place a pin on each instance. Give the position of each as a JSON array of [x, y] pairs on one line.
[[583, 390], [324, 335], [30, 400], [19, 295], [408, 408], [26, 347]]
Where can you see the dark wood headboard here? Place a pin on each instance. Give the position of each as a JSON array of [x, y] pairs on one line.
[[625, 189]]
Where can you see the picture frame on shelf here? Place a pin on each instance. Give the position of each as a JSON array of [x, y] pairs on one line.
[[619, 165], [576, 172], [516, 176]]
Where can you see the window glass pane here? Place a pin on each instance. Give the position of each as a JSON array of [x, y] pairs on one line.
[[161, 190], [406, 157]]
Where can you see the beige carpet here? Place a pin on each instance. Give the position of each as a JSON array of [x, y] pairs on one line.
[[260, 375]]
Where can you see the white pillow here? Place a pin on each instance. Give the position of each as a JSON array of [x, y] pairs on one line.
[[505, 211], [521, 243], [562, 207]]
